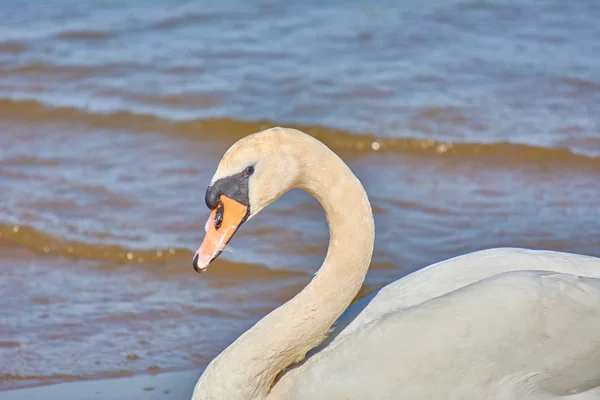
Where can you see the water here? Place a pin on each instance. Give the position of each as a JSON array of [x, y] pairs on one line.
[[471, 125]]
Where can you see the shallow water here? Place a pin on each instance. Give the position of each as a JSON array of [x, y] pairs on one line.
[[470, 124]]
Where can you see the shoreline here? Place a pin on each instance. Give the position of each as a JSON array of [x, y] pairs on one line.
[[165, 386]]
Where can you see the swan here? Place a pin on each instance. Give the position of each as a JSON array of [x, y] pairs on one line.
[[502, 323]]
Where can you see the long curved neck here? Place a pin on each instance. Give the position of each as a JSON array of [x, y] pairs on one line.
[[247, 368]]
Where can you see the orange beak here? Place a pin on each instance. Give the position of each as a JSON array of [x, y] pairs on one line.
[[220, 228]]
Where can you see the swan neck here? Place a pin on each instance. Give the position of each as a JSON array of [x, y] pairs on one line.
[[248, 367]]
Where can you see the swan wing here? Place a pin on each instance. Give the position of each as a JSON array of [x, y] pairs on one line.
[[448, 275], [519, 334]]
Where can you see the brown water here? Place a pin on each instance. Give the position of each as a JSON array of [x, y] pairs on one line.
[[471, 125]]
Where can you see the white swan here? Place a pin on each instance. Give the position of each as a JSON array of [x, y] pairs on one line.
[[494, 324]]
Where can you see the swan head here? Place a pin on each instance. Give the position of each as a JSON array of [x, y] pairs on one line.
[[253, 173]]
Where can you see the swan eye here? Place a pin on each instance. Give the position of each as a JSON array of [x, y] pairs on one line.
[[219, 216], [248, 171]]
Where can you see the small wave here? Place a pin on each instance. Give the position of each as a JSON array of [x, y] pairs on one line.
[[63, 377], [83, 35], [181, 20], [189, 18], [27, 160], [15, 381], [499, 153], [10, 343], [168, 261], [581, 84], [13, 47], [44, 243], [69, 71]]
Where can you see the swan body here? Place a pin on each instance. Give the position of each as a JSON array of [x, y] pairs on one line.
[[494, 324], [496, 316]]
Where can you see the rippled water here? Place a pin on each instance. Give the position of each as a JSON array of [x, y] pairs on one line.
[[471, 124]]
